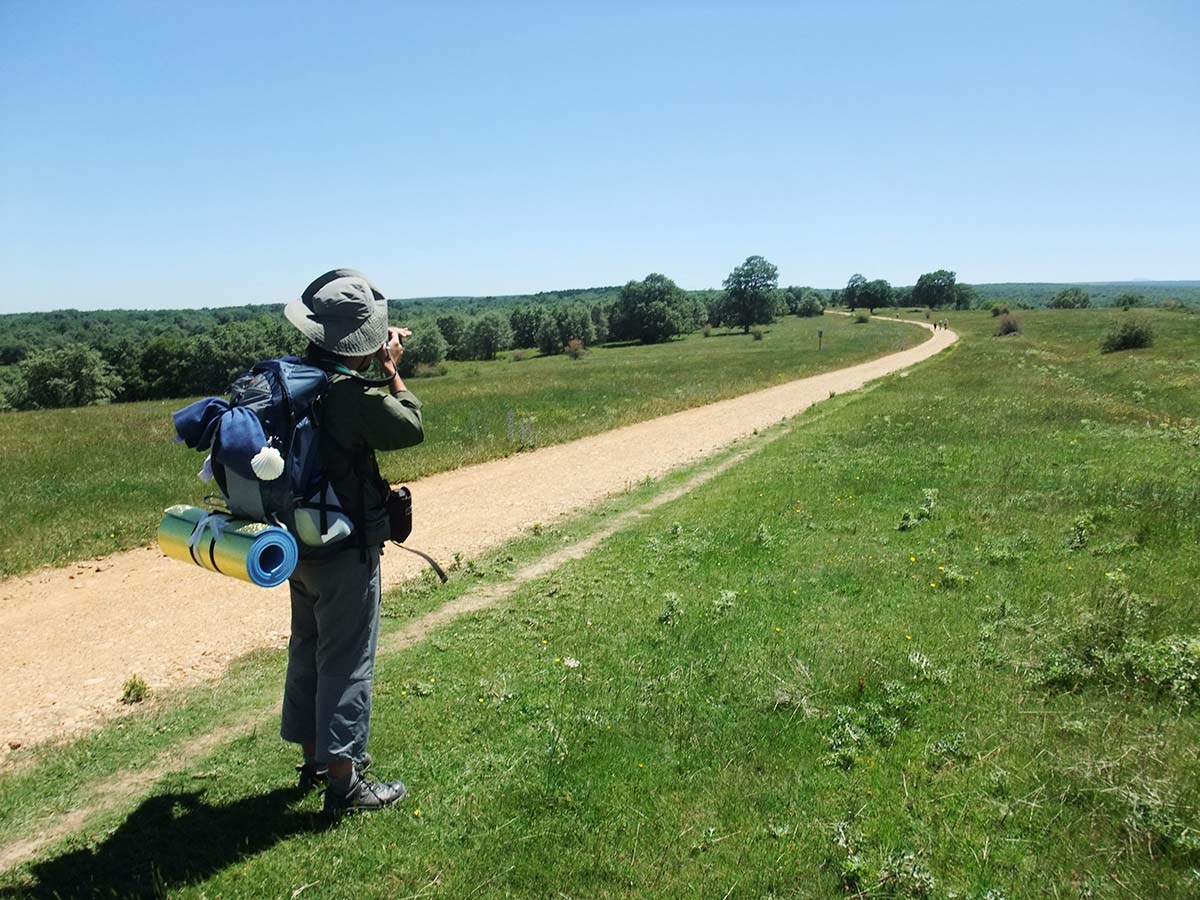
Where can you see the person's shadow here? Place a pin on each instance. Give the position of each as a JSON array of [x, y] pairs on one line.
[[171, 840]]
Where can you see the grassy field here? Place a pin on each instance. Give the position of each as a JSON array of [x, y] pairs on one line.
[[938, 641], [83, 482]]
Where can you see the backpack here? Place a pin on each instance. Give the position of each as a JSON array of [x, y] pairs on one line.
[[289, 485], [292, 487]]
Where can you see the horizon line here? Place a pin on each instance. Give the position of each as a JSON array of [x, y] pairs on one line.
[[1182, 282]]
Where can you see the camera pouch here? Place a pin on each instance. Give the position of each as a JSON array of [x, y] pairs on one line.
[[399, 510]]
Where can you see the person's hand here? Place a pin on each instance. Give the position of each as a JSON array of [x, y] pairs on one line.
[[394, 348]]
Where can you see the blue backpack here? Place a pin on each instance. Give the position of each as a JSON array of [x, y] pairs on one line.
[[266, 459], [289, 486]]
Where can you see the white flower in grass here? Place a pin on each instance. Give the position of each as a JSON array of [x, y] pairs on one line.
[[570, 662]]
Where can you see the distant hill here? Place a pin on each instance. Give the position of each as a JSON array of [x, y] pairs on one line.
[[423, 306], [1103, 293]]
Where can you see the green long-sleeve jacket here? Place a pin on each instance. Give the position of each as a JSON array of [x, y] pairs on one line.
[[357, 420]]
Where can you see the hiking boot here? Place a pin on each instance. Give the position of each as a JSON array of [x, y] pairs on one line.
[[364, 795], [313, 775]]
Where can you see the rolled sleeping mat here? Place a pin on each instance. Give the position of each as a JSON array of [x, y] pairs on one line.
[[265, 555]]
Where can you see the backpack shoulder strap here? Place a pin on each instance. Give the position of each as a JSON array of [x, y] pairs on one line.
[[333, 368]]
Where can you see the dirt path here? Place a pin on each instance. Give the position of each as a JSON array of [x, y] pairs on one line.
[[120, 789], [69, 637]]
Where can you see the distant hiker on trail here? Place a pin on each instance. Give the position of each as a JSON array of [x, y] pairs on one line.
[[335, 590]]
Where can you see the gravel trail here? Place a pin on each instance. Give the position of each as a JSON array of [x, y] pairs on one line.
[[71, 636]]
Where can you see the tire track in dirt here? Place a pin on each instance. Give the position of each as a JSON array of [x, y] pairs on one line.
[[69, 637]]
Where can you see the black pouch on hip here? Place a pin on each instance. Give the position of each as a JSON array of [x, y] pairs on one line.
[[399, 510]]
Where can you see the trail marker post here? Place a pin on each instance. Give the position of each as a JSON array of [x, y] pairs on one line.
[[820, 336]]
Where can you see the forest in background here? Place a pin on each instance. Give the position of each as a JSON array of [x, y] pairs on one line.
[[78, 357]]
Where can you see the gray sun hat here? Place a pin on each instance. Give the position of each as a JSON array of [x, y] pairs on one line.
[[341, 312]]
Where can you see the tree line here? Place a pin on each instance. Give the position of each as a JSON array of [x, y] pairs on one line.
[[74, 358], [933, 290]]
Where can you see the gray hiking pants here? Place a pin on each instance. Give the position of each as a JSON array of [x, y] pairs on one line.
[[331, 654]]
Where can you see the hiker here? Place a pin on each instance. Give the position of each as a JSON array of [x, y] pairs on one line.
[[335, 590]]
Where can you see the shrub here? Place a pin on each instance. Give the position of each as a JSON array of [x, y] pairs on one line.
[[861, 317], [72, 375], [518, 356], [650, 311], [548, 341], [1008, 324], [11, 354], [525, 322], [1127, 335], [601, 323], [426, 347], [1168, 668], [1125, 301], [804, 301], [999, 311], [429, 370], [707, 329], [12, 393], [575, 323], [1070, 298], [757, 333], [453, 329], [486, 336], [575, 348], [810, 305], [135, 690], [905, 874], [672, 610]]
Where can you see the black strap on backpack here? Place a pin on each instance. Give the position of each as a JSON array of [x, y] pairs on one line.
[[425, 556], [337, 368]]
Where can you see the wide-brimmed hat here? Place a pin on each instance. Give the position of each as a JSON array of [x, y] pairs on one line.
[[341, 312]]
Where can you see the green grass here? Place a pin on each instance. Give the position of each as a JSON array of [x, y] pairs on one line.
[[84, 482], [56, 777], [779, 692]]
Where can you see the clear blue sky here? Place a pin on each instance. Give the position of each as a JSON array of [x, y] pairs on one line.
[[180, 154]]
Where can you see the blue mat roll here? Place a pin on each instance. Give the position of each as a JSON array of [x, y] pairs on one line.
[[265, 555]]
